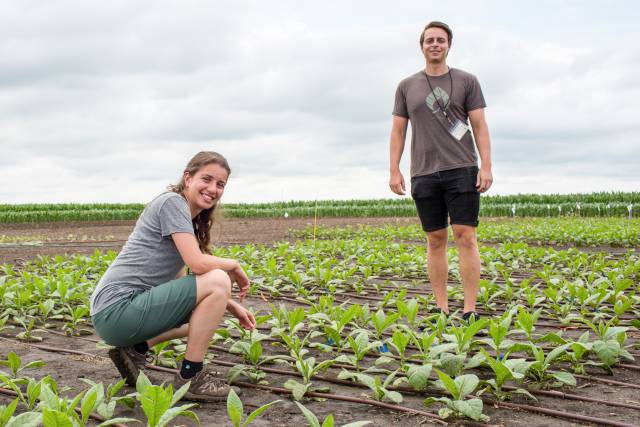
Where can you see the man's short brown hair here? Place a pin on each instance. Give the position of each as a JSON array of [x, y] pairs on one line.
[[437, 24]]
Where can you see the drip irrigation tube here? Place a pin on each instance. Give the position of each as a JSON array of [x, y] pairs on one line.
[[524, 407]]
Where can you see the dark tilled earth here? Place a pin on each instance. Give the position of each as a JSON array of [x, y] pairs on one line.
[[67, 369]]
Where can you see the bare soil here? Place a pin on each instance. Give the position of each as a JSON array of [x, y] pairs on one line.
[[68, 370]]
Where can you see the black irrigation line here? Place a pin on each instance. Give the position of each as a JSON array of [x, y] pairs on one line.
[[415, 291], [548, 393], [369, 298], [524, 407], [93, 415], [517, 406], [279, 390], [393, 356]]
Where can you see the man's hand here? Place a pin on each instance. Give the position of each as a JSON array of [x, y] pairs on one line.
[[484, 180], [244, 316], [238, 276], [396, 183]]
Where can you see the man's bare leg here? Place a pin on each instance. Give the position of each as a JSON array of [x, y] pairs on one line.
[[438, 267], [469, 256]]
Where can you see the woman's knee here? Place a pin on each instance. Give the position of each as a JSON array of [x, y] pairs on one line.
[[214, 282]]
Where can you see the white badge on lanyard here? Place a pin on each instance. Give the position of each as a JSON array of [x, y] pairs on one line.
[[458, 130]]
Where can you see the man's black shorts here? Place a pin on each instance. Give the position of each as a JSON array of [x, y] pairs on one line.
[[447, 194]]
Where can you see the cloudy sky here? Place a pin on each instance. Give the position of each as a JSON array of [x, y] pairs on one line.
[[107, 101]]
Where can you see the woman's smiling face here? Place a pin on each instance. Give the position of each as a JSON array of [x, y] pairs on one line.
[[204, 188]]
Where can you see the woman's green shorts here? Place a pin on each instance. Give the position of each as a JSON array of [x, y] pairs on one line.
[[147, 314]]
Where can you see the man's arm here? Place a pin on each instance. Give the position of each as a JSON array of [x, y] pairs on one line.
[[483, 142], [398, 135]]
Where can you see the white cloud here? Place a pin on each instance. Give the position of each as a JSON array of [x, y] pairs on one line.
[[108, 104]]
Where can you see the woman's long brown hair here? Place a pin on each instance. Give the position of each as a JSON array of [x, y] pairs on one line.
[[204, 221]]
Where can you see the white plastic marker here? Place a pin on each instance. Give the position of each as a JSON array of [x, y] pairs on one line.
[[286, 214], [513, 210], [630, 209], [578, 208]]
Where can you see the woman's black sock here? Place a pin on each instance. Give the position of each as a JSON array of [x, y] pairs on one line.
[[189, 369], [141, 347]]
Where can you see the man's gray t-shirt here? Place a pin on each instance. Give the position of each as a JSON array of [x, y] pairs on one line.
[[433, 148], [150, 257]]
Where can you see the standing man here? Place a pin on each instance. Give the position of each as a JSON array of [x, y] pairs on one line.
[[441, 102]]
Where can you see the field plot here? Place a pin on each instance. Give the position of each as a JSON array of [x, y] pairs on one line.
[[345, 329]]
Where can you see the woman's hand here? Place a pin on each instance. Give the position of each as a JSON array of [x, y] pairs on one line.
[[245, 317], [238, 276]]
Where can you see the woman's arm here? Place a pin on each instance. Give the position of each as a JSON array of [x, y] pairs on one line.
[[200, 263]]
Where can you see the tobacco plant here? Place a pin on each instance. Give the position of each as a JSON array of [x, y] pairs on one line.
[[459, 389], [235, 410]]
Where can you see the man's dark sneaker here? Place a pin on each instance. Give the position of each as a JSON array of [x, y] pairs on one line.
[[206, 386], [129, 362], [470, 316]]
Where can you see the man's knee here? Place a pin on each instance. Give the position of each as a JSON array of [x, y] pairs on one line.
[[465, 236], [437, 240]]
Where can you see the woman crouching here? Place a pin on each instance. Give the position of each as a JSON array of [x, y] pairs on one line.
[[145, 297]]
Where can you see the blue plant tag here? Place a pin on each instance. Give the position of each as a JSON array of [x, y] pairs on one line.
[[384, 348]]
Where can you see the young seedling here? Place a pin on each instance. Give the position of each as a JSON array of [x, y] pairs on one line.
[[506, 370], [540, 370], [462, 336], [379, 388], [381, 322], [526, 321], [158, 402], [308, 369], [106, 401], [25, 419], [459, 406], [360, 346], [235, 410], [14, 363], [610, 346]]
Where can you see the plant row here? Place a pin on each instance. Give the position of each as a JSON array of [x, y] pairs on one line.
[[547, 231]]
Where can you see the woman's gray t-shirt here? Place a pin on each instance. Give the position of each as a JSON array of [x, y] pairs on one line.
[[150, 257]]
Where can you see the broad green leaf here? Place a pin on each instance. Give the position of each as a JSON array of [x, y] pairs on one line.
[[180, 393], [14, 361], [448, 383], [53, 418], [118, 421], [471, 408], [310, 416], [466, 384], [234, 408], [178, 410], [142, 382], [564, 377], [328, 421], [48, 397], [89, 403], [26, 419], [298, 390], [154, 401], [394, 396], [257, 412], [418, 377], [607, 351]]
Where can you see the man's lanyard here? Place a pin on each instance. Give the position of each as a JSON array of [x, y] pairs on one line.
[[443, 107]]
